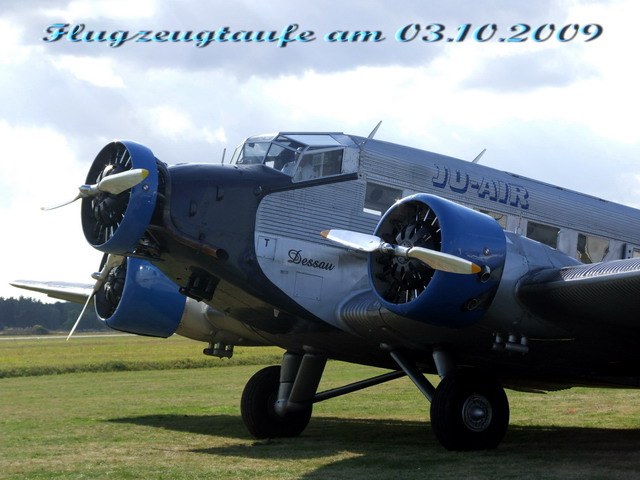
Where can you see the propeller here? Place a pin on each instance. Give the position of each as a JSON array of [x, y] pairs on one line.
[[109, 262], [113, 184], [432, 258]]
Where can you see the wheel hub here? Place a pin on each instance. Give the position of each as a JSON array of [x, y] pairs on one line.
[[476, 413]]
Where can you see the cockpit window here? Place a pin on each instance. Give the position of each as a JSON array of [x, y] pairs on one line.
[[280, 157], [319, 164], [287, 142], [250, 153], [301, 156]]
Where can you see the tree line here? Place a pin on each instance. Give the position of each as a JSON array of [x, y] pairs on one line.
[[25, 315]]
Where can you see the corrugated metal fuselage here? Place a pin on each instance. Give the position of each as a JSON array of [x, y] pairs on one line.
[[258, 234]]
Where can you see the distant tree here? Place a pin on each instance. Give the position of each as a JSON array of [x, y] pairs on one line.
[[26, 313]]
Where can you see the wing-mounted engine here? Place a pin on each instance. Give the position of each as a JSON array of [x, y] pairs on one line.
[[138, 298], [432, 260], [114, 219], [412, 288]]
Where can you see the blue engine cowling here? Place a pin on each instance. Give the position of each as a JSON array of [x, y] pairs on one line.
[[115, 223], [138, 298], [411, 289]]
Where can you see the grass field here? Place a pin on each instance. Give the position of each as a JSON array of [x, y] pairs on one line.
[[101, 353], [184, 423]]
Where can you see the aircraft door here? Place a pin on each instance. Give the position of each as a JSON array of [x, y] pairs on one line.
[[631, 251]]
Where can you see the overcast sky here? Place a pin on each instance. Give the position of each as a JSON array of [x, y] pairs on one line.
[[565, 113]]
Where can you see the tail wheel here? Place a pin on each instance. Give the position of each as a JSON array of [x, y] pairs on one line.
[[469, 412], [258, 408]]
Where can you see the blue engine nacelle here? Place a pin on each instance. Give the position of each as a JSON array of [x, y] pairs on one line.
[[138, 298], [410, 288], [115, 223]]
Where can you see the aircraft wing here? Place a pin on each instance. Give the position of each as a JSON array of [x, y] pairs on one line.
[[72, 292], [607, 292]]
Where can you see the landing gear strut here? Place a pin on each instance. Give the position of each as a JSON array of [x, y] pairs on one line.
[[278, 401]]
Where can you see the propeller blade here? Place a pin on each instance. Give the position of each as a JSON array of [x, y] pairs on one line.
[[46, 209], [443, 261], [355, 240], [432, 258], [75, 325], [119, 182], [113, 184], [109, 262]]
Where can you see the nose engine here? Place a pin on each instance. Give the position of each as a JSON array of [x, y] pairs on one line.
[[113, 221], [118, 202]]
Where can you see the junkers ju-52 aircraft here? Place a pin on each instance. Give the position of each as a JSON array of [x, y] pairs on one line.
[[336, 246]]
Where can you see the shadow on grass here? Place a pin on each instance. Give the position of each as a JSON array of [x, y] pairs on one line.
[[406, 449]]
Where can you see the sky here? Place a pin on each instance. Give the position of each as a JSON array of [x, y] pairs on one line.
[[561, 112]]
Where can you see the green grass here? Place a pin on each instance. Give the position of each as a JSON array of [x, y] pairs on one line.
[[47, 356], [185, 424]]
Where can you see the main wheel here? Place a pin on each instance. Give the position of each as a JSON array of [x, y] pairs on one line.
[[258, 408], [469, 411]]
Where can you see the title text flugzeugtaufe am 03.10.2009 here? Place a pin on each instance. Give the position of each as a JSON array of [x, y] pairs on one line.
[[293, 33]]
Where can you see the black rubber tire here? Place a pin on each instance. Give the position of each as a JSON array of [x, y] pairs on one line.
[[258, 408], [459, 397]]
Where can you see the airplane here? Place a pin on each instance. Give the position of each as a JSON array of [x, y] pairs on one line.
[[344, 247]]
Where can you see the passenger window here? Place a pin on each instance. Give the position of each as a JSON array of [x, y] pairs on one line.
[[591, 249], [378, 198], [319, 164], [501, 218], [543, 233]]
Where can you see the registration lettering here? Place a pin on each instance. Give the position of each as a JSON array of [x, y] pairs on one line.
[[461, 182]]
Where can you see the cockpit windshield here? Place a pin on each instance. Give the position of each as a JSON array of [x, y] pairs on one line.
[[250, 153], [302, 156]]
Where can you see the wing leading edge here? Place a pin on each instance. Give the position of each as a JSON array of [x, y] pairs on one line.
[[602, 293], [72, 292]]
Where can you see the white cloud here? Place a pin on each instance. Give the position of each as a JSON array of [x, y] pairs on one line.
[[177, 124], [12, 50], [81, 10], [39, 168], [613, 110], [9, 44], [97, 71], [36, 162]]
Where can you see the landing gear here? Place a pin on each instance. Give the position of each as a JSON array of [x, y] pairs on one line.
[[469, 409], [277, 401], [258, 407], [469, 412]]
